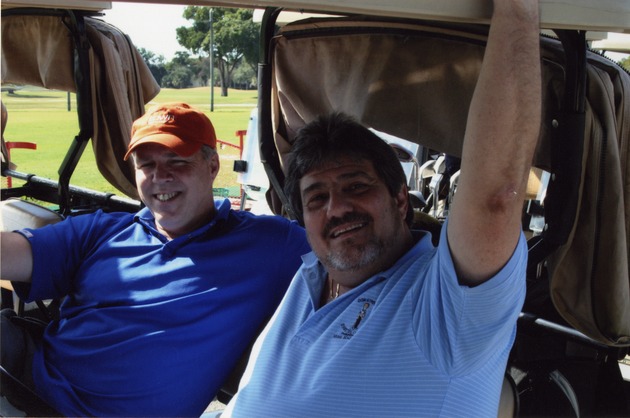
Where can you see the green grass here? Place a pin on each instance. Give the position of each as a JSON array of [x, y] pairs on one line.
[[201, 96], [41, 116]]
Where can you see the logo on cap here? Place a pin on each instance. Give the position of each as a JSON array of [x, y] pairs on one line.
[[160, 118]]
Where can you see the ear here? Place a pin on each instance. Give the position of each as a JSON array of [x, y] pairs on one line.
[[215, 165], [402, 201]]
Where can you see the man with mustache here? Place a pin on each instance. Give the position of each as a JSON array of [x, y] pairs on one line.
[[160, 304], [378, 321]]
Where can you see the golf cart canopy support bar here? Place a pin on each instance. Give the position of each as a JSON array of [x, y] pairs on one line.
[[589, 15], [81, 199]]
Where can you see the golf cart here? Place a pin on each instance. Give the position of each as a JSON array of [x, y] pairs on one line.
[[409, 71]]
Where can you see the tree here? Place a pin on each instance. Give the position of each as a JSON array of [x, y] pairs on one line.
[[625, 63], [179, 73], [156, 64], [235, 37], [244, 76]]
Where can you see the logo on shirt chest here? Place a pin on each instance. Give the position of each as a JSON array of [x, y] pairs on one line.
[[348, 329]]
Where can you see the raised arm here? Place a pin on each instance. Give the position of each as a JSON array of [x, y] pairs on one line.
[[501, 135], [16, 257]]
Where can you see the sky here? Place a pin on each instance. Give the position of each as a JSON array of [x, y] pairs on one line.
[[150, 26], [618, 37]]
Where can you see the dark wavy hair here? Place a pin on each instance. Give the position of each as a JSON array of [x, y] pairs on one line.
[[336, 135]]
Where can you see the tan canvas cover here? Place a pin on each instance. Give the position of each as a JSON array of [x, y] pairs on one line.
[[414, 87], [590, 285], [417, 82], [38, 50]]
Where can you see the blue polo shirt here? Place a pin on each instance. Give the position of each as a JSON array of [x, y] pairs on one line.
[[152, 327], [410, 341]]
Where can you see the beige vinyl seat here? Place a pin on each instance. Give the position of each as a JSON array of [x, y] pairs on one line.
[[17, 214], [508, 403]]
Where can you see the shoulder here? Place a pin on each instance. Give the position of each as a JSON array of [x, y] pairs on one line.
[[76, 232], [97, 219], [271, 231], [272, 222], [105, 218], [97, 224]]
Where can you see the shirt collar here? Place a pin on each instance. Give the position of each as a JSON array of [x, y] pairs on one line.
[[315, 273]]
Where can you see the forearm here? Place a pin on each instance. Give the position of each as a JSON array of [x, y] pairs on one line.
[[504, 119], [501, 135], [16, 257]]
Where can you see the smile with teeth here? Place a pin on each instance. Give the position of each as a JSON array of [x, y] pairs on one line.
[[347, 229], [163, 197]]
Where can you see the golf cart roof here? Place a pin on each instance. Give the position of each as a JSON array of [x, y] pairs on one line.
[[591, 15]]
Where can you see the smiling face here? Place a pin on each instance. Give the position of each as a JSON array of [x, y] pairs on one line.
[[177, 190], [354, 225]]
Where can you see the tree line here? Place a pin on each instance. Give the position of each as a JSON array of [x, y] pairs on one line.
[[234, 37]]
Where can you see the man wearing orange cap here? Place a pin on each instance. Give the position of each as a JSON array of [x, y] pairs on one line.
[[159, 305]]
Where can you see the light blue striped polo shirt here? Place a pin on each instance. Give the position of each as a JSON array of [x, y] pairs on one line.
[[408, 342]]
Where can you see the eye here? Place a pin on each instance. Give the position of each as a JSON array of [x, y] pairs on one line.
[[357, 188], [179, 162], [315, 201], [143, 165]]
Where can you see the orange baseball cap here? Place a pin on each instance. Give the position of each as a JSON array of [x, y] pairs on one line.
[[177, 126]]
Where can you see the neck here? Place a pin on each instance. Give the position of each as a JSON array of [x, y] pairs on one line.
[[191, 226], [331, 291]]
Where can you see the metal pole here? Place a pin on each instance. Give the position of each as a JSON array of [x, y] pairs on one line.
[[211, 63]]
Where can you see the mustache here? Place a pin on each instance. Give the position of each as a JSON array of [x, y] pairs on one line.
[[348, 217]]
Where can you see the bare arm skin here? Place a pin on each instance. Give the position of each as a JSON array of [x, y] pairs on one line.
[[501, 135], [16, 262]]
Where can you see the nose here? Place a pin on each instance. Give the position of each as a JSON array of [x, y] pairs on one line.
[[338, 205], [162, 174]]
